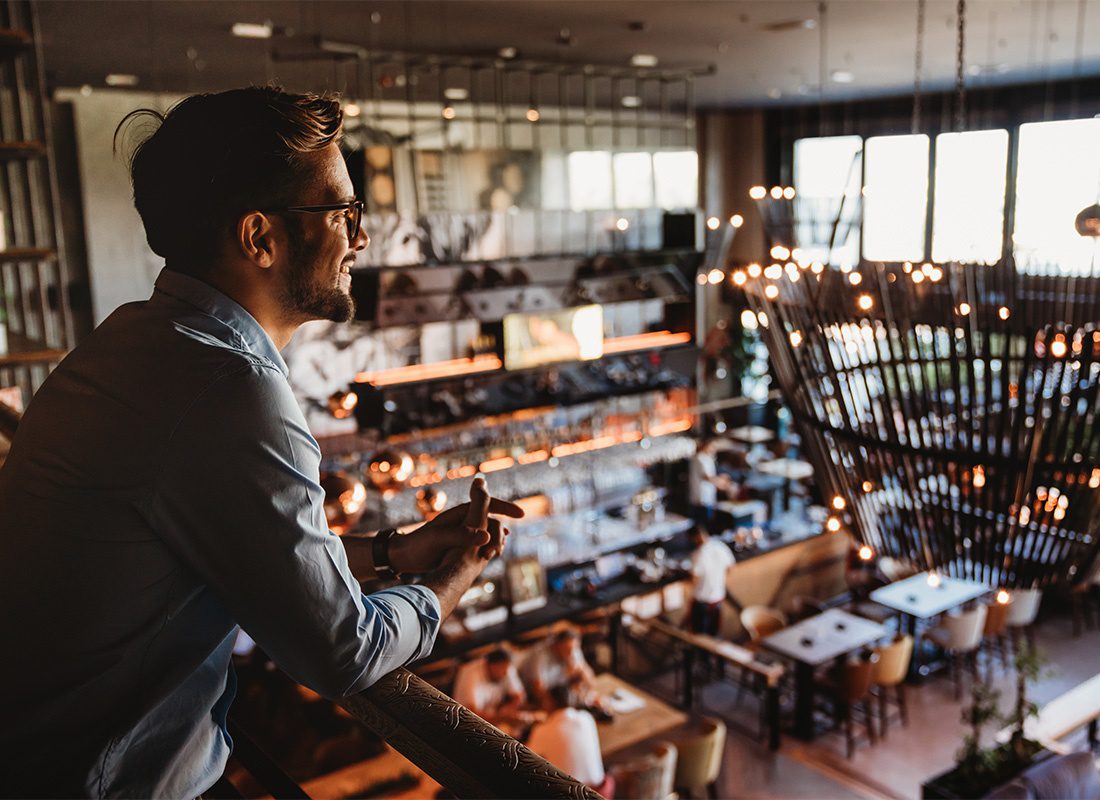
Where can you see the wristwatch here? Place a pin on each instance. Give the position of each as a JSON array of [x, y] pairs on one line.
[[380, 550]]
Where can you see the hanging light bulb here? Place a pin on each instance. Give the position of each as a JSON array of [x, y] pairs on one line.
[[757, 192], [776, 192], [964, 308], [754, 270], [713, 223], [448, 112], [737, 220], [865, 302], [533, 114]]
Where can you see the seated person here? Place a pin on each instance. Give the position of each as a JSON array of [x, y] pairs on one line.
[[559, 662], [569, 740], [490, 687]]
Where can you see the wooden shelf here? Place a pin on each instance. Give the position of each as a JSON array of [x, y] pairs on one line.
[[13, 42], [13, 150], [15, 255], [23, 350]]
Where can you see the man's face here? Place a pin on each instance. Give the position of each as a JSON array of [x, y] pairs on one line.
[[498, 670], [564, 649], [317, 282]]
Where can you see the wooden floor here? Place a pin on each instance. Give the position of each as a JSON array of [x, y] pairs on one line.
[[897, 766]]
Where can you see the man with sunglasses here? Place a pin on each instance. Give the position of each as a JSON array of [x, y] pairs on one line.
[[163, 488]]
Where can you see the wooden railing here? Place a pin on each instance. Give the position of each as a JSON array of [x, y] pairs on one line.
[[464, 753]]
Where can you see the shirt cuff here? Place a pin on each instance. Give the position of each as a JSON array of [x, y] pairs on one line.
[[426, 606]]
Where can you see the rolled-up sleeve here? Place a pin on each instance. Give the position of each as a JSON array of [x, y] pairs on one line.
[[238, 499]]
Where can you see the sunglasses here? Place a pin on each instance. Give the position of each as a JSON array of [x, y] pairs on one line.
[[352, 218]]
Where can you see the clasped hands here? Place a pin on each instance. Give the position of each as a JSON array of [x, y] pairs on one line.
[[467, 531]]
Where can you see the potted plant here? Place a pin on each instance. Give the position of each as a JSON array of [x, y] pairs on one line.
[[979, 770]]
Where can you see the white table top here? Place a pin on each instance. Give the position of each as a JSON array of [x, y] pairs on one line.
[[917, 598], [792, 469], [818, 639], [752, 434]]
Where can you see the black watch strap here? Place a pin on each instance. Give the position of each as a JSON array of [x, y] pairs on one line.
[[380, 550]]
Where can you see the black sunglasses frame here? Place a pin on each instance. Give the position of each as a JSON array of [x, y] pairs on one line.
[[354, 220]]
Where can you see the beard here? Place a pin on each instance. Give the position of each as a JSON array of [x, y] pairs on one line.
[[311, 290]]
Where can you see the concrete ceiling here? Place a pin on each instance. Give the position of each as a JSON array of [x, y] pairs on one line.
[[764, 52]]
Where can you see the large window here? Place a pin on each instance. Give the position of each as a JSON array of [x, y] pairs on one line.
[[968, 217], [633, 180], [676, 178], [1058, 175], [895, 198], [589, 180], [828, 172]]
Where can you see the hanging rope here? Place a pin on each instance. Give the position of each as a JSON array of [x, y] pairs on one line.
[[960, 67], [918, 67]]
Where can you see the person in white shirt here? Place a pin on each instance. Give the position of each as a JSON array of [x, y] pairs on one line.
[[559, 662], [710, 564], [569, 740], [490, 687], [705, 482]]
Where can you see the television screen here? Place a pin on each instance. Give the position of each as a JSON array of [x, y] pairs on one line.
[[572, 334]]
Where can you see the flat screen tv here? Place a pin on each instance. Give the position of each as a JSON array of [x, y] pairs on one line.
[[572, 334]]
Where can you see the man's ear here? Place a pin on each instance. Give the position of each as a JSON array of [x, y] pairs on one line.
[[254, 235]]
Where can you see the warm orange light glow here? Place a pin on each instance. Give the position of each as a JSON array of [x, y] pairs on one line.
[[643, 341], [424, 372], [838, 503], [866, 553], [533, 457], [1003, 597], [495, 464]]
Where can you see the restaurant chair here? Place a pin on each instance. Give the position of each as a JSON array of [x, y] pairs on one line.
[[993, 635], [1022, 612], [700, 758], [761, 622], [850, 688], [888, 673], [960, 636], [649, 777]]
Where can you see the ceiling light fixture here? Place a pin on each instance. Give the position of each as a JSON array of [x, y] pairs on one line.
[[842, 76], [631, 101], [507, 53], [253, 30], [121, 79], [643, 60], [456, 93]]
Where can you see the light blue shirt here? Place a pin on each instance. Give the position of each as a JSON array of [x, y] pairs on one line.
[[162, 489]]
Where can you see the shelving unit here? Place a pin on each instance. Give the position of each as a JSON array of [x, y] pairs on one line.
[[34, 306]]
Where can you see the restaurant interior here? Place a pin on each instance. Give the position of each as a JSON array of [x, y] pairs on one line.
[[801, 294]]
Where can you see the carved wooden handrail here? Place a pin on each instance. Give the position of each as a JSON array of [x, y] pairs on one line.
[[457, 748]]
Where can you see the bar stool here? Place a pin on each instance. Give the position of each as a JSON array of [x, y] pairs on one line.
[[960, 636], [889, 673]]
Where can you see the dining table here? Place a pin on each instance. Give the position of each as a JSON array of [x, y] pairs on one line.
[[924, 596], [815, 641], [635, 715], [790, 470]]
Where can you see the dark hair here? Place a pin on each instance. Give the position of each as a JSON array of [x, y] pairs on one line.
[[213, 157], [561, 697], [498, 656], [566, 635]]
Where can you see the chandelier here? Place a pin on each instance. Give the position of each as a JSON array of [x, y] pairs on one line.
[[952, 410]]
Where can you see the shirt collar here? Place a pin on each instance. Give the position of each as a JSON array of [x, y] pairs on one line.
[[247, 333]]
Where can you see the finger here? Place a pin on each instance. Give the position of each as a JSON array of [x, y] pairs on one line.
[[504, 508], [477, 514]]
